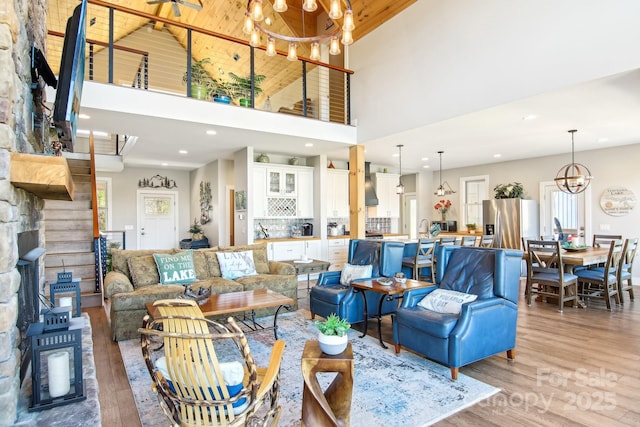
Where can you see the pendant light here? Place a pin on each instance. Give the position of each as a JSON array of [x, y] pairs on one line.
[[440, 190], [573, 178], [400, 187]]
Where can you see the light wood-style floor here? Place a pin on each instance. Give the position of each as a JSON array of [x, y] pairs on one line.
[[580, 367]]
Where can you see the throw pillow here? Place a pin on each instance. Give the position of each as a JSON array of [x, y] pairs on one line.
[[232, 372], [446, 301], [143, 271], [236, 264], [260, 259], [353, 272], [175, 269]]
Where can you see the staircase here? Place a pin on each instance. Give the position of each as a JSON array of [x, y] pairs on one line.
[[69, 236]]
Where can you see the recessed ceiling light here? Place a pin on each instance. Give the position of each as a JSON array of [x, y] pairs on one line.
[[183, 152], [497, 155], [164, 164], [211, 132], [426, 166], [309, 144], [530, 117], [424, 159], [605, 139], [84, 116]]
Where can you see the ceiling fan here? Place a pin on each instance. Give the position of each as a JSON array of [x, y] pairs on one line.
[[175, 3]]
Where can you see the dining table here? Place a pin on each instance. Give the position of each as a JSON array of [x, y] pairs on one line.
[[584, 256]]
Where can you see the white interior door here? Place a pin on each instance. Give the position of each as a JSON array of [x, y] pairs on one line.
[[157, 220], [572, 210]]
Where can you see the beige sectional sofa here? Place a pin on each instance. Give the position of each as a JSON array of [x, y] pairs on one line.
[[134, 281]]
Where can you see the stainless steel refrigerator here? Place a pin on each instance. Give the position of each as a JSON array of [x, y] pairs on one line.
[[510, 220]]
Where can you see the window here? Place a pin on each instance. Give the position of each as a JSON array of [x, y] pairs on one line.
[[475, 189]]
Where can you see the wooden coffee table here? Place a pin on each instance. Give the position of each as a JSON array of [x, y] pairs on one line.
[[235, 302], [391, 292]]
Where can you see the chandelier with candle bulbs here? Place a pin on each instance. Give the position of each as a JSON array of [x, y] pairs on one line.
[[254, 25]]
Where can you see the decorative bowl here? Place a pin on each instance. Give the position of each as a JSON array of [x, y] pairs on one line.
[[401, 279]]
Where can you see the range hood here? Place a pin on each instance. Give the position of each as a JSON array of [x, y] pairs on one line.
[[370, 196]]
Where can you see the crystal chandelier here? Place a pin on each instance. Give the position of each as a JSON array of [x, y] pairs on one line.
[[255, 24], [573, 178]]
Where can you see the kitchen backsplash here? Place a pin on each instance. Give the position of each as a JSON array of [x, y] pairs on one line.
[[279, 228]]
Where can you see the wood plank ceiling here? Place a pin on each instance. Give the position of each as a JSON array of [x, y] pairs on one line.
[[223, 17]]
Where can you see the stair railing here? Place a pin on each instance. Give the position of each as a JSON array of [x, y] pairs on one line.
[[98, 245]]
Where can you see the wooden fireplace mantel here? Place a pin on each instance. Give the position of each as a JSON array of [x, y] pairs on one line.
[[48, 177]]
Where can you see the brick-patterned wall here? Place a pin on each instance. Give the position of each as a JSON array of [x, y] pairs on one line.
[[22, 23]]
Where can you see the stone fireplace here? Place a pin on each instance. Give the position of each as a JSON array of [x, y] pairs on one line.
[[22, 24]]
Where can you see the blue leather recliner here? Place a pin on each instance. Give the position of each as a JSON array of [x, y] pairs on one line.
[[329, 296], [484, 327]]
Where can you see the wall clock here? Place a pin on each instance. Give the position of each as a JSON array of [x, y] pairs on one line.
[[617, 201]]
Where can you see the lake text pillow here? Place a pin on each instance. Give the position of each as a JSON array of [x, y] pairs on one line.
[[175, 269]]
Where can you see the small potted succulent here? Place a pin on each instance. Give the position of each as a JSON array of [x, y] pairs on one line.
[[333, 337], [471, 228]]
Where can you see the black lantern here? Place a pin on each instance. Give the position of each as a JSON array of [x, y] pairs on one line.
[[56, 360], [66, 284]]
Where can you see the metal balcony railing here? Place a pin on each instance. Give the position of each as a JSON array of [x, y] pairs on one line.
[[144, 51]]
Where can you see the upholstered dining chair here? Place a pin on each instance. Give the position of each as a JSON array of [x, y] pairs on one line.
[[203, 372], [546, 276], [602, 282], [423, 258], [468, 241], [626, 269]]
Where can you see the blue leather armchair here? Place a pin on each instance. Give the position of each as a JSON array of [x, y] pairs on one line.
[[484, 327], [329, 296]]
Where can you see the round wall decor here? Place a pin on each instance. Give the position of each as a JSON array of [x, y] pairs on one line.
[[617, 201]]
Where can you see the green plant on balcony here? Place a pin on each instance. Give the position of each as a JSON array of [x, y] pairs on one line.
[[240, 88], [202, 84]]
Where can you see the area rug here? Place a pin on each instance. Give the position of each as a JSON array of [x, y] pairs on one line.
[[389, 389]]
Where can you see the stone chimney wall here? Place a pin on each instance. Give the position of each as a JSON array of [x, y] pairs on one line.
[[22, 24]]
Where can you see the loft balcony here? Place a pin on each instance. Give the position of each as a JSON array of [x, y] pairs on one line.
[[140, 50]]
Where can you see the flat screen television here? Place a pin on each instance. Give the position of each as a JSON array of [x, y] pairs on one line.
[[70, 77]]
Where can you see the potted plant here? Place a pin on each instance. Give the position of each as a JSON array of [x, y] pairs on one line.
[[333, 337], [196, 230], [471, 228], [202, 84], [513, 190], [240, 88]]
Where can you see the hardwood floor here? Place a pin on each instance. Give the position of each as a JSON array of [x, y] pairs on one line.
[[580, 367]]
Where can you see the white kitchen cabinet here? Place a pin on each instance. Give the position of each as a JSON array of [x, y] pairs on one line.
[[313, 249], [282, 191], [338, 189], [283, 251], [388, 200], [338, 253], [305, 193]]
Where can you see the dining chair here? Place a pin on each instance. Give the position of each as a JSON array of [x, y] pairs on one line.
[[602, 282], [486, 241], [626, 269], [604, 240], [468, 241], [447, 241], [546, 276], [423, 258], [203, 372]]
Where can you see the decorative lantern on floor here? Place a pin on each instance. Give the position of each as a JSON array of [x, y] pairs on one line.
[[66, 284], [56, 359]]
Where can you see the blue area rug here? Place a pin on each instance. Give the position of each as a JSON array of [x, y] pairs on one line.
[[390, 390]]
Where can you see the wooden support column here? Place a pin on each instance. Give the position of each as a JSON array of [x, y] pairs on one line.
[[357, 209]]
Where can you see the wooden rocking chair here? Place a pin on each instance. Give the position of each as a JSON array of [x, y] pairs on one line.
[[187, 379]]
